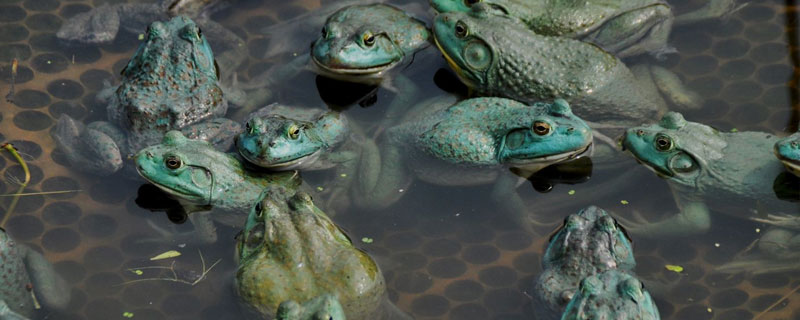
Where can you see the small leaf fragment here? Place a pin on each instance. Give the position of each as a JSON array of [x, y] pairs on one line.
[[734, 130], [366, 240], [137, 272], [320, 188], [571, 192], [127, 314], [166, 255], [623, 201], [674, 268]]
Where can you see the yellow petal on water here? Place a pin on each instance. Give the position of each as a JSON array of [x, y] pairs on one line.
[[571, 192], [166, 255], [623, 201], [674, 268]]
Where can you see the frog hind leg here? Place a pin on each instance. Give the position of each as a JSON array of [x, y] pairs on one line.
[[382, 177], [636, 32], [668, 85], [713, 9], [92, 149], [220, 132], [776, 251], [51, 290]]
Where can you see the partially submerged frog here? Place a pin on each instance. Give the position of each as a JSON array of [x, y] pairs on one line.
[[498, 56], [708, 170], [473, 142], [788, 152], [169, 84], [290, 250], [27, 274], [200, 176], [624, 28], [324, 307], [589, 242], [612, 294]]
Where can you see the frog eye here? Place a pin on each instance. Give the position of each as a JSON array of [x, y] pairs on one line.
[[249, 128], [325, 32], [259, 210], [541, 128], [199, 33], [368, 38], [461, 29], [469, 3], [663, 143], [173, 162], [294, 132]]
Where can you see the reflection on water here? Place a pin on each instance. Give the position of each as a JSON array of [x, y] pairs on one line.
[[444, 251]]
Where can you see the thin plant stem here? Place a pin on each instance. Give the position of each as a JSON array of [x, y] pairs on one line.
[[40, 193], [797, 287], [175, 277], [10, 148]]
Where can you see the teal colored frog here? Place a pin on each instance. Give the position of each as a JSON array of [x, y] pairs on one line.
[[27, 274], [788, 152], [324, 307], [612, 294], [708, 170], [499, 56], [290, 250], [171, 83], [623, 28], [473, 142], [588, 242], [195, 173]]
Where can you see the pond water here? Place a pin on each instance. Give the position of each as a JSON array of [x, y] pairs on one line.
[[444, 251]]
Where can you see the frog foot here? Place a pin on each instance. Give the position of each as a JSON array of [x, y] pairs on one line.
[[714, 9], [780, 220], [638, 224]]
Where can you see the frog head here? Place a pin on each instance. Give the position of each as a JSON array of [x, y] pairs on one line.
[[466, 5], [324, 307], [788, 152], [366, 40], [277, 142], [612, 294], [675, 149]]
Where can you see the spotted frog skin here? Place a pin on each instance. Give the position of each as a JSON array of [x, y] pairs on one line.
[[623, 28], [589, 242], [498, 56], [788, 152], [26, 273], [611, 294], [324, 307], [473, 142], [169, 84], [197, 174], [290, 250]]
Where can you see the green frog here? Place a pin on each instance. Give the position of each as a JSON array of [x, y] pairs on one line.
[[201, 177], [496, 55], [170, 83], [473, 142], [589, 242], [727, 172], [323, 307], [611, 294], [788, 152], [27, 277], [290, 250], [624, 28]]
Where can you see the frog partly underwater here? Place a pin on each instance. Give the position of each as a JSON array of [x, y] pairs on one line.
[[611, 294], [27, 274], [170, 83], [476, 141], [290, 250], [788, 152], [622, 27], [324, 307], [708, 170], [198, 175]]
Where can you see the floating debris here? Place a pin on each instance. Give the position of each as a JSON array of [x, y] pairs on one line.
[[674, 268], [366, 240], [166, 255], [10, 95], [623, 201], [571, 192]]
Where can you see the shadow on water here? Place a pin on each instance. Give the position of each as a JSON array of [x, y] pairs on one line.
[[791, 35]]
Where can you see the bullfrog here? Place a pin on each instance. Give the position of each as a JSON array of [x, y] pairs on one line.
[[611, 294], [708, 170], [290, 250], [624, 28], [27, 274], [198, 175], [499, 56], [170, 83], [788, 152], [473, 142], [589, 242], [323, 307]]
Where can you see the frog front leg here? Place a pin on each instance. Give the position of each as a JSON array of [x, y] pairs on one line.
[[636, 32], [382, 178], [694, 218], [92, 149], [505, 196], [405, 92], [219, 132]]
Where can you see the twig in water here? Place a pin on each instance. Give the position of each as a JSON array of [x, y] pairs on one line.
[[22, 185], [174, 277], [10, 95], [797, 287], [40, 193]]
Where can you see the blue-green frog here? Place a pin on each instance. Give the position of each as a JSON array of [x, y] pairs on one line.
[[499, 56], [590, 241], [611, 294], [198, 175], [476, 141], [27, 279], [624, 28], [788, 152], [170, 83], [290, 250], [708, 170], [323, 307]]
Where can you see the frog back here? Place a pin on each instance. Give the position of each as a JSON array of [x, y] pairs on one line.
[[575, 18], [14, 290]]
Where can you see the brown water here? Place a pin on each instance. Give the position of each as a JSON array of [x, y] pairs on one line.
[[443, 252]]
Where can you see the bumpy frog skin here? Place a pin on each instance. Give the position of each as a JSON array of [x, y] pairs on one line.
[[23, 270], [290, 250], [473, 142], [324, 307], [611, 295], [588, 242], [788, 152], [498, 56], [169, 84]]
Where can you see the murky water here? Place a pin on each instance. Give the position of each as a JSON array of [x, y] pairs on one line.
[[444, 251]]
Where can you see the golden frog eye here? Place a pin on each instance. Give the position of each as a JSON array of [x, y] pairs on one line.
[[461, 29], [368, 38], [663, 143], [294, 132], [541, 128], [173, 162]]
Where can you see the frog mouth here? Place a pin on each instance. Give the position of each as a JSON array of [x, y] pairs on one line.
[[791, 164], [297, 163], [536, 164], [373, 72]]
